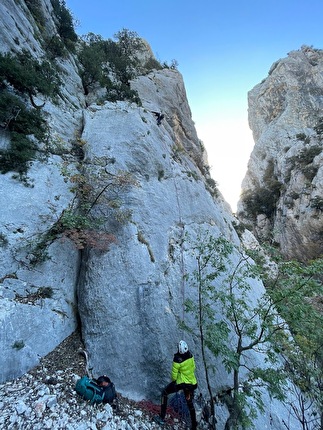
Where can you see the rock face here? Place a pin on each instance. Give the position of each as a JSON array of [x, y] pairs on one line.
[[282, 199], [150, 184], [144, 184], [37, 289], [130, 296]]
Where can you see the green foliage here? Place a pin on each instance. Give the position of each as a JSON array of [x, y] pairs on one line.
[[212, 187], [65, 26], [85, 222], [27, 75], [21, 123], [208, 268], [152, 63], [263, 200], [303, 137], [82, 230], [101, 58], [3, 240], [310, 172], [16, 117], [297, 292], [18, 156], [303, 161], [22, 76], [121, 91], [129, 42], [305, 156], [92, 57], [317, 203], [222, 280], [319, 127], [239, 227], [54, 48], [110, 64], [35, 8]]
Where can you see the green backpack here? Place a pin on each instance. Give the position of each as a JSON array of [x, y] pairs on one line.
[[89, 390]]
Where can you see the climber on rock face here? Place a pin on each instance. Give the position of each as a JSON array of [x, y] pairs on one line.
[[159, 117]]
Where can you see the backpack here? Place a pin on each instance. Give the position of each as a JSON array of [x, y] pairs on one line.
[[89, 390]]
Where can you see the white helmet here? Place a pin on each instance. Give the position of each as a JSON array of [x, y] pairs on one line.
[[182, 347]]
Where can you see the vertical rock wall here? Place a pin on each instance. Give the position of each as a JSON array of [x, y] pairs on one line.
[[282, 197], [132, 296], [38, 307]]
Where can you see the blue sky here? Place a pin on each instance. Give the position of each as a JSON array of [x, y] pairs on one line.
[[224, 49]]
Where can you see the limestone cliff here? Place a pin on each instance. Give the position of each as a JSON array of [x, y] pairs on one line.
[[282, 193], [93, 222], [147, 181]]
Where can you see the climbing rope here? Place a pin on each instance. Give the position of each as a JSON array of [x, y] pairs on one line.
[[181, 236]]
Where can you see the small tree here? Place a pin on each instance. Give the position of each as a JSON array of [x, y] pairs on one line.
[[298, 291], [97, 202], [129, 41], [208, 268], [110, 65], [305, 372], [65, 25], [246, 325], [254, 325], [23, 77]]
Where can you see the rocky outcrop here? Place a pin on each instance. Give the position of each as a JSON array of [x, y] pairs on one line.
[[149, 182], [93, 234], [282, 192], [37, 285], [131, 296]]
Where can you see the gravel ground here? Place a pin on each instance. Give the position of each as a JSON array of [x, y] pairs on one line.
[[45, 398]]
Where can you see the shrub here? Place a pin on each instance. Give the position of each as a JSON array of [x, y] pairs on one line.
[[263, 200], [27, 75], [91, 57], [308, 154], [319, 127], [121, 91], [3, 240], [129, 42], [22, 76], [317, 203], [35, 8], [16, 158], [110, 64], [65, 25], [22, 123], [309, 172], [152, 63], [85, 222], [15, 116], [18, 344], [303, 137], [55, 47], [305, 156]]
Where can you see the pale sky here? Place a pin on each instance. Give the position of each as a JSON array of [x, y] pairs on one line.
[[224, 49]]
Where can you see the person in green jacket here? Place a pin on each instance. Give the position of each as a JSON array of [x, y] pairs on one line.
[[183, 378]]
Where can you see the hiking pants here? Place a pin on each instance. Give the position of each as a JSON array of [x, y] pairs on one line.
[[189, 395]]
